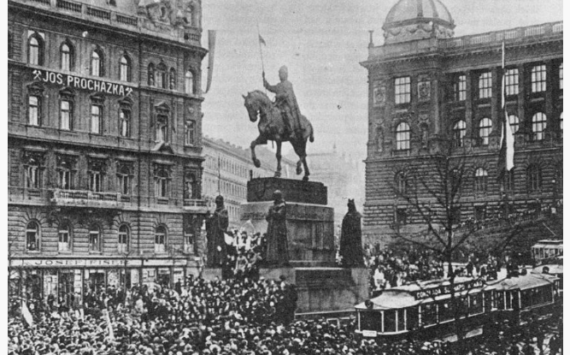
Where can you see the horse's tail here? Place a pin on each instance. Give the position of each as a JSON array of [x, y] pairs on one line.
[[311, 136]]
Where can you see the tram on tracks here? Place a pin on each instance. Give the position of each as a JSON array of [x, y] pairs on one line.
[[425, 310]]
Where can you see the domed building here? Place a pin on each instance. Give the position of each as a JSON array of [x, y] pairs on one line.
[[429, 90], [417, 19]]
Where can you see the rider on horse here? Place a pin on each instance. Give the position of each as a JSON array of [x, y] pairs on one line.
[[287, 103]]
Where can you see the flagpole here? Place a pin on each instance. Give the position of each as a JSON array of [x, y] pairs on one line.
[[260, 51]]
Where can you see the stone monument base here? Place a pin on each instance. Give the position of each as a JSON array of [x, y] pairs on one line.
[[323, 290]]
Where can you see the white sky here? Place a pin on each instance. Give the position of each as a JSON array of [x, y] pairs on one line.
[[322, 43]]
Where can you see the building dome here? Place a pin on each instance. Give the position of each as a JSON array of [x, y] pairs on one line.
[[417, 19]]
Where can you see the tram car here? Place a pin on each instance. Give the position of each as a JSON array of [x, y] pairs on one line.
[[424, 310]]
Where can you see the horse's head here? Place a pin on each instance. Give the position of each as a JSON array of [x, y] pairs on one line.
[[255, 101]]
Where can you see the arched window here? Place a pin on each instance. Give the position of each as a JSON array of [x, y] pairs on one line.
[[36, 49], [97, 67], [459, 131], [125, 68], [514, 122], [481, 177], [403, 136], [172, 79], [123, 242], [538, 126], [160, 240], [94, 239], [64, 237], [33, 236], [124, 180], [485, 126], [150, 78], [162, 129], [66, 57], [189, 82], [534, 178], [161, 81]]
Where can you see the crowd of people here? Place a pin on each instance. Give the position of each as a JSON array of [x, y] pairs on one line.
[[245, 253]]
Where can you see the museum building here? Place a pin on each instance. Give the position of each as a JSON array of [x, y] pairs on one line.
[[104, 139], [427, 87]]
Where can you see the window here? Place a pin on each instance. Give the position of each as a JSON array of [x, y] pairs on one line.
[[534, 178], [538, 78], [125, 68], [65, 116], [162, 129], [403, 136], [172, 79], [190, 186], [485, 85], [95, 181], [460, 88], [561, 76], [35, 50], [32, 237], [459, 132], [161, 81], [538, 126], [94, 239], [96, 119], [123, 242], [189, 136], [402, 90], [512, 82], [509, 180], [66, 57], [401, 183], [188, 233], [189, 82], [64, 238], [97, 67], [480, 213], [34, 110], [150, 78], [124, 181], [514, 122], [161, 184], [124, 123], [160, 240], [481, 176], [401, 216], [64, 176], [33, 175], [485, 126]]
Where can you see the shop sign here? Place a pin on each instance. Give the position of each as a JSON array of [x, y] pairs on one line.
[[82, 83], [96, 262]]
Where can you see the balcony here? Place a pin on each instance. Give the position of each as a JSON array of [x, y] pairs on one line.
[[82, 198], [195, 205]]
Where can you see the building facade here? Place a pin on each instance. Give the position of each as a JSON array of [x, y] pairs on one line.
[[104, 139], [228, 168], [427, 87]]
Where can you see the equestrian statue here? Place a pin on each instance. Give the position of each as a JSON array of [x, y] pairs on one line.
[[279, 121]]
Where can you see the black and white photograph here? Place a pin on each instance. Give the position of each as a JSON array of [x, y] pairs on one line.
[[299, 177]]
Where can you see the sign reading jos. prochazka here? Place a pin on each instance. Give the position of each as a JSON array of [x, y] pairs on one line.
[[82, 83]]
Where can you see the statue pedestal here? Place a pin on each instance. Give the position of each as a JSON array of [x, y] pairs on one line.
[[323, 288], [310, 223]]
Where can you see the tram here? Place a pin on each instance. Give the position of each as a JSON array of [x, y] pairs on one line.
[[424, 310]]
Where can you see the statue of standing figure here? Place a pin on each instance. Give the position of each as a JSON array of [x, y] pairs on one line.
[[216, 226], [277, 250], [351, 238]]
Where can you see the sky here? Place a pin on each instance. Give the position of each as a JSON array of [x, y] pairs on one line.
[[322, 43]]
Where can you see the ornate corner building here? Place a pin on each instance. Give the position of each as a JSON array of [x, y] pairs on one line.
[[427, 86], [104, 144]]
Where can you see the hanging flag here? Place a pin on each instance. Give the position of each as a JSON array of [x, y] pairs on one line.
[[109, 325], [261, 40], [507, 147], [211, 54], [27, 315]]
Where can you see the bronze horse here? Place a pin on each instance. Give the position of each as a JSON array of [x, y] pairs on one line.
[[272, 128]]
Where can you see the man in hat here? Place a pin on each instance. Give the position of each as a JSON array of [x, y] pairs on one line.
[[286, 101], [216, 226]]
